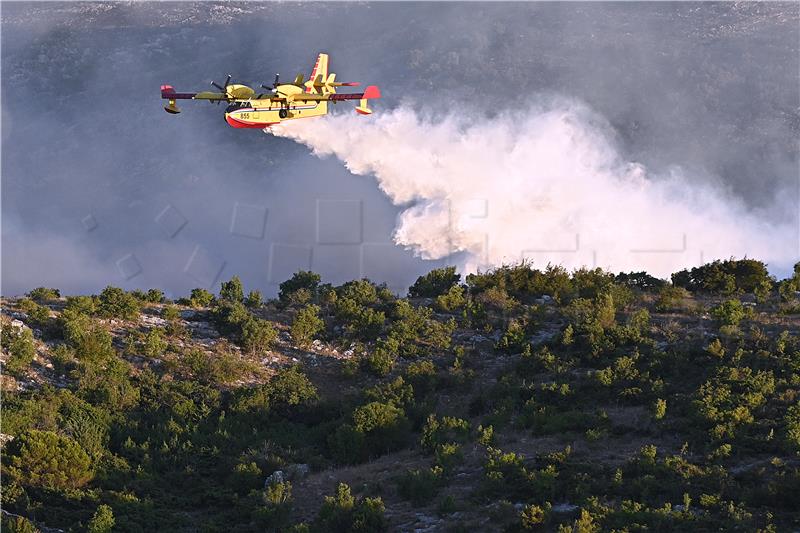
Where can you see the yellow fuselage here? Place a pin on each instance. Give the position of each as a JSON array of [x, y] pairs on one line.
[[263, 113]]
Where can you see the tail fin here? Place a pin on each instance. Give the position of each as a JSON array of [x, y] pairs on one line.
[[371, 91], [319, 73]]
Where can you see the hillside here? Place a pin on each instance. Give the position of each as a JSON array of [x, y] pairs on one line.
[[515, 399]]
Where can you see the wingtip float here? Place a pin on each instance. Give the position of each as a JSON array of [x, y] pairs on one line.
[[280, 102]]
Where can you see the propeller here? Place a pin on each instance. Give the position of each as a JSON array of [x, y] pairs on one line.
[[220, 87], [275, 83]]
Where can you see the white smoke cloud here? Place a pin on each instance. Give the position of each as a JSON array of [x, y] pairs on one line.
[[547, 184]]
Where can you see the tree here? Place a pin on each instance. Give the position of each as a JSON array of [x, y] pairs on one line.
[[232, 290], [102, 521], [302, 279], [730, 312], [306, 325], [258, 335], [116, 303], [154, 343], [253, 300], [18, 342], [44, 293], [291, 387], [44, 459], [384, 426], [201, 298], [155, 296], [435, 283], [343, 514]]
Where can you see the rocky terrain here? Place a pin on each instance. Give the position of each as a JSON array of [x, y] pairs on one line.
[[583, 401]]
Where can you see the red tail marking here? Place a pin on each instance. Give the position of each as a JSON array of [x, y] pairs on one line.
[[372, 91]]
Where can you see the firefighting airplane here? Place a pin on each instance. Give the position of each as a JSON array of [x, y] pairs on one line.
[[285, 101]]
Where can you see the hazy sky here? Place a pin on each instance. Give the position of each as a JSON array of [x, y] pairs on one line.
[[100, 186]]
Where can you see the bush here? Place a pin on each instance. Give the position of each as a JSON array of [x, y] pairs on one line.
[[201, 298], [343, 514], [730, 312], [275, 515], [38, 314], [435, 283], [726, 277], [514, 340], [291, 387], [381, 361], [258, 335], [18, 343], [17, 524], [302, 279], [452, 300], [383, 425], [640, 280], [155, 296], [116, 303], [232, 290], [102, 521], [44, 459], [447, 430], [306, 325], [420, 486], [43, 293], [230, 318], [253, 300], [84, 305], [671, 298], [154, 344]]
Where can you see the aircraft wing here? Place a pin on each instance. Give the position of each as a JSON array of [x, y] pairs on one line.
[[208, 95], [168, 93], [370, 92]]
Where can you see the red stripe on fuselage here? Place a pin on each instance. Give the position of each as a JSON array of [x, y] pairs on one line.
[[236, 123]]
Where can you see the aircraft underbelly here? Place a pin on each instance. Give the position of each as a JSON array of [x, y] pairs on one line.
[[256, 117]]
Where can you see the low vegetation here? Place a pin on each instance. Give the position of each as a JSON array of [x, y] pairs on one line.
[[515, 399]]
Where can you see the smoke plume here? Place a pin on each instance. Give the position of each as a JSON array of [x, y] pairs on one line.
[[547, 184]]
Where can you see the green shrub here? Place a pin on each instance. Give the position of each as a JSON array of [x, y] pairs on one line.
[[640, 280], [44, 293], [384, 426], [731, 312], [306, 325], [38, 314], [515, 338], [420, 486], [726, 277], [534, 516], [253, 300], [232, 290], [44, 459], [381, 360], [258, 335], [435, 283], [17, 524], [276, 513], [659, 408], [18, 343], [116, 303], [155, 296], [154, 344], [422, 375], [342, 513], [102, 521], [201, 298], [301, 279], [85, 305], [671, 298], [452, 300], [445, 430]]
